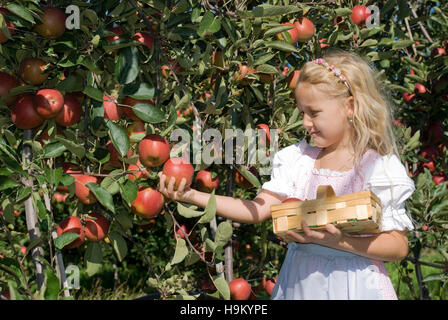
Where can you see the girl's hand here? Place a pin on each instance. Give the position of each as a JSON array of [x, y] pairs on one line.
[[329, 237], [183, 193]]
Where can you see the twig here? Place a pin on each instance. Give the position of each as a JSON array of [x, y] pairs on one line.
[[420, 24]]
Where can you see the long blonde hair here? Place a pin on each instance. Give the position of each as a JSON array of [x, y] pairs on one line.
[[373, 109]]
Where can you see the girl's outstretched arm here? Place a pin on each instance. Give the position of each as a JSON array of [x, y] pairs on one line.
[[240, 210]]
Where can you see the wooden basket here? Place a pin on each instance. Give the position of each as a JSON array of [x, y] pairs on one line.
[[355, 213]]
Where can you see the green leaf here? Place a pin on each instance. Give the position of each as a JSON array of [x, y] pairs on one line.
[[266, 10], [222, 286], [89, 64], [209, 24], [369, 43], [210, 209], [223, 233], [103, 196], [129, 191], [20, 11], [264, 58], [23, 194], [266, 68], [119, 244], [127, 65], [119, 137], [281, 45], [51, 285], [7, 183], [249, 176], [402, 44], [93, 258], [124, 219], [73, 147], [64, 239], [181, 251], [277, 30], [149, 113], [94, 93], [139, 91], [187, 212], [343, 12], [53, 150]]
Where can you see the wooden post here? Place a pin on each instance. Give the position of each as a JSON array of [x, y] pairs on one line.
[[228, 251], [31, 215], [60, 268]]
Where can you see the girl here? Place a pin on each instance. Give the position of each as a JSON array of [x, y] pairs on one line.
[[350, 121]]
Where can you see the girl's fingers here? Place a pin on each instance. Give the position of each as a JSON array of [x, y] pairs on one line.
[[161, 181], [171, 185], [182, 184]]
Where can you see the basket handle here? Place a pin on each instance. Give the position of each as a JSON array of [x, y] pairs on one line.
[[324, 192]]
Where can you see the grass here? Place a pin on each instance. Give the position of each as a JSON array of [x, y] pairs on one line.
[[394, 269]]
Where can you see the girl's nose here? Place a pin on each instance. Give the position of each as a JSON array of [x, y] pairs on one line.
[[307, 122]]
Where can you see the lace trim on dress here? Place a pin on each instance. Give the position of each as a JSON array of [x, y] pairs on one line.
[[328, 172]]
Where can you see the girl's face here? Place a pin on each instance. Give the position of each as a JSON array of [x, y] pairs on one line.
[[324, 118]]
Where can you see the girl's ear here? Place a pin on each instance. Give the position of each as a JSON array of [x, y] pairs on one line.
[[349, 105]]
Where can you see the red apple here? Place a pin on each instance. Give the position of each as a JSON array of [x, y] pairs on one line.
[[24, 114], [178, 168], [96, 230], [49, 103], [270, 284], [53, 23], [153, 150], [293, 33], [437, 51], [72, 224], [408, 98], [81, 191], [60, 197], [140, 171], [71, 111], [7, 82], [429, 152], [204, 181], [241, 76], [360, 14], [306, 29], [429, 165], [9, 25], [264, 141], [439, 178], [118, 31], [148, 204], [144, 38], [31, 71], [114, 160], [292, 79], [239, 289], [180, 234], [419, 88], [111, 110], [23, 250]]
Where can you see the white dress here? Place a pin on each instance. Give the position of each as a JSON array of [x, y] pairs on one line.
[[312, 271]]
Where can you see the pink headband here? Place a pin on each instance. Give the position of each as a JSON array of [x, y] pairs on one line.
[[336, 72]]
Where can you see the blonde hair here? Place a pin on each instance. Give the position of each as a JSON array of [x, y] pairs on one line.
[[373, 110]]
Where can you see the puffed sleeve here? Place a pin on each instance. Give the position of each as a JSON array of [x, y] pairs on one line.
[[281, 180], [388, 179]]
